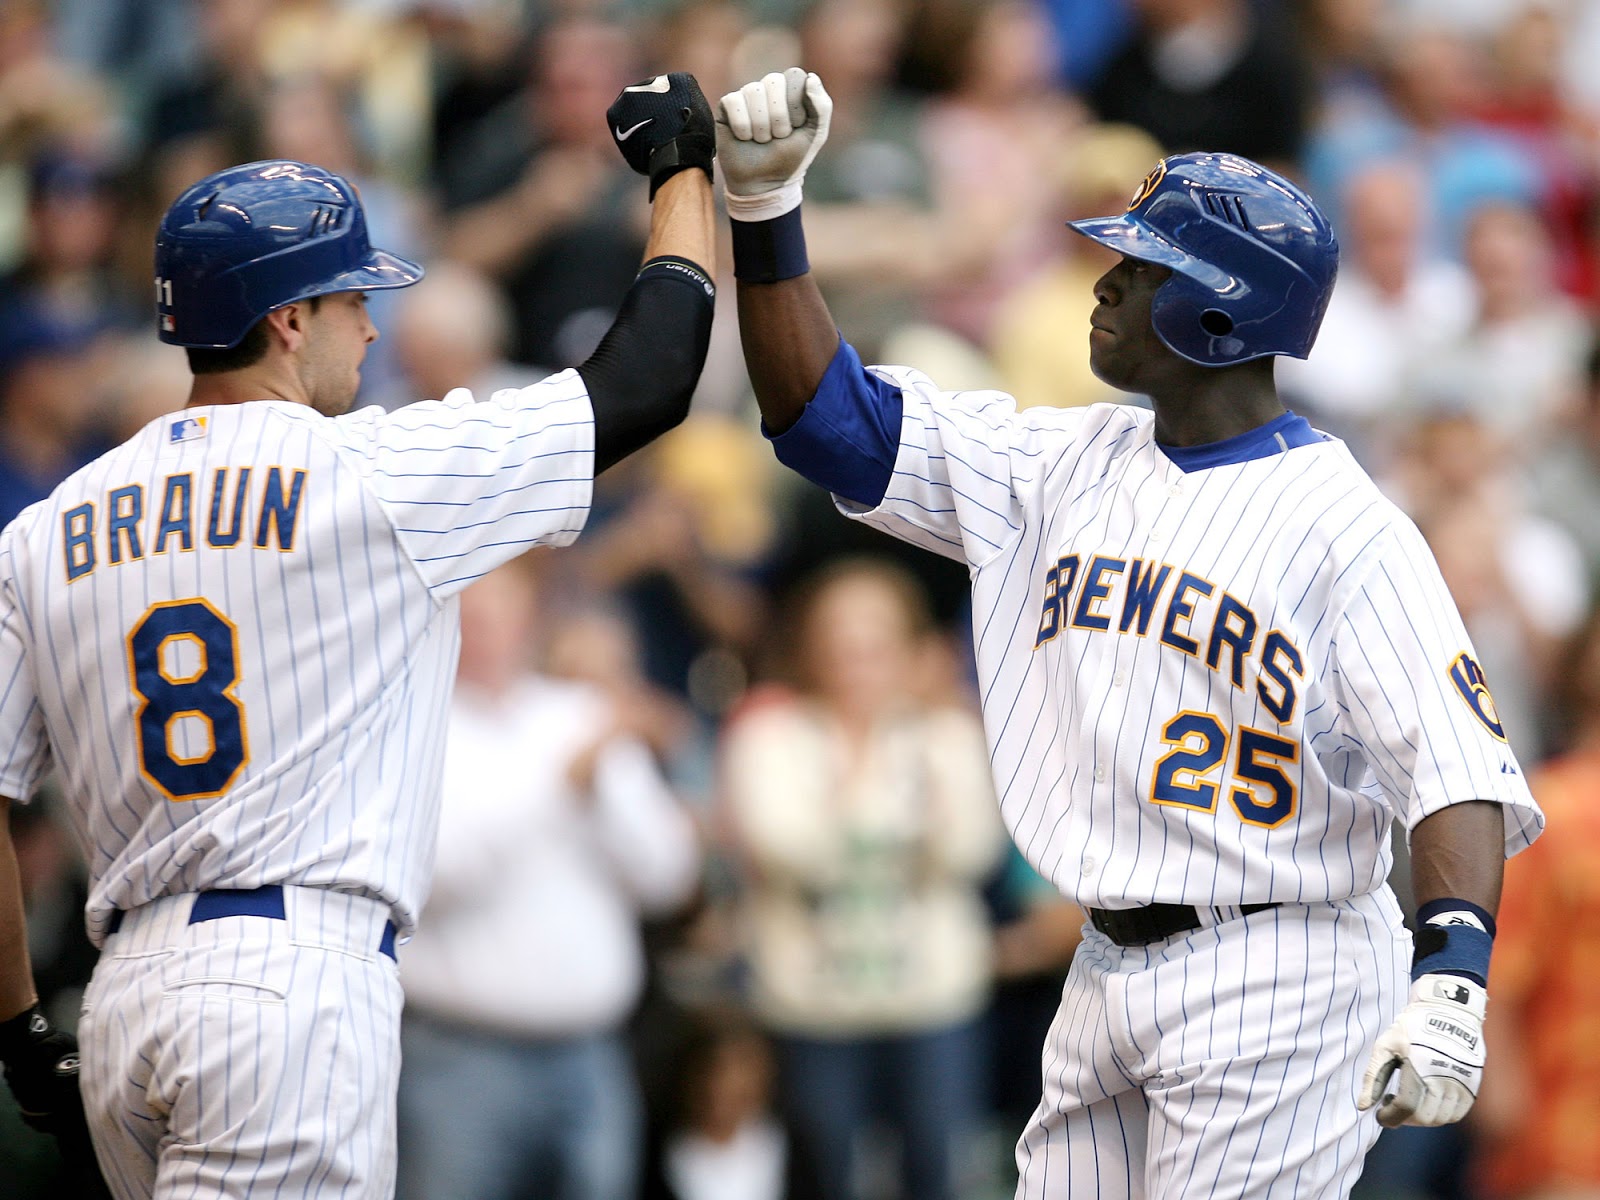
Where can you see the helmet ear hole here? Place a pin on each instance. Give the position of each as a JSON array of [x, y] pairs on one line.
[[1216, 322]]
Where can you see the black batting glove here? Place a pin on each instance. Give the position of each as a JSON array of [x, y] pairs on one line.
[[663, 125], [41, 1068]]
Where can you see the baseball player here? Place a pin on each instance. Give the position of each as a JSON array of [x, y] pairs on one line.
[[1215, 663], [234, 638]]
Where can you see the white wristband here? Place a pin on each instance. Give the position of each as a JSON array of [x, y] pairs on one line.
[[765, 206]]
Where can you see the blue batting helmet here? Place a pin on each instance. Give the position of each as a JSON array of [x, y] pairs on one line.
[[250, 239], [1253, 260]]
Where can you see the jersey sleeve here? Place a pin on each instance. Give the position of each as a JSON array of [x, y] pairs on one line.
[[24, 747], [1414, 696], [957, 465], [471, 484]]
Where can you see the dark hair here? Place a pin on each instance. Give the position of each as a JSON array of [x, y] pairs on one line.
[[249, 350], [908, 591]]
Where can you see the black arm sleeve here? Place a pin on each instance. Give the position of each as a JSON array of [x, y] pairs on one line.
[[645, 369]]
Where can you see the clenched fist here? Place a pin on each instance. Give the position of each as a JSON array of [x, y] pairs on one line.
[[767, 134], [663, 125]]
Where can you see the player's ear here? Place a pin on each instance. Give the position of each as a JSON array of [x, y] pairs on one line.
[[287, 325]]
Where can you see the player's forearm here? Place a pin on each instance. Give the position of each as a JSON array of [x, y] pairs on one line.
[[16, 972], [1459, 853], [683, 221], [789, 339], [642, 375]]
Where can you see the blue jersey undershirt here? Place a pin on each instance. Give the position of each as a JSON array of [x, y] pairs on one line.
[[848, 436]]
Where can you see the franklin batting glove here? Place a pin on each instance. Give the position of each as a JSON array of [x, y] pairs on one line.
[[767, 134], [663, 125], [1436, 1046], [41, 1068]]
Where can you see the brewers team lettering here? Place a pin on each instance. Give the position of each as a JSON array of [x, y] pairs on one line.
[[273, 578]]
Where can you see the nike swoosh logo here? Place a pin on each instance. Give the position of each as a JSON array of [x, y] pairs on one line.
[[622, 137]]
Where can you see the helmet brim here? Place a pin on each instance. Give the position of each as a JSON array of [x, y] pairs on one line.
[[379, 271], [1130, 236]]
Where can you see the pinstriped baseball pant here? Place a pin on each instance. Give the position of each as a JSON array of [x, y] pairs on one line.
[[1223, 1063], [245, 1056]]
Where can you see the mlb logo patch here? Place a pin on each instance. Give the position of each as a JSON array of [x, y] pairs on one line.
[[187, 429], [168, 325]]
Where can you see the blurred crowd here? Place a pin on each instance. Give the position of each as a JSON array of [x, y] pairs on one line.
[[724, 911]]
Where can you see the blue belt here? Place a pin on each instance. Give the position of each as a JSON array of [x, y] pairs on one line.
[[247, 902]]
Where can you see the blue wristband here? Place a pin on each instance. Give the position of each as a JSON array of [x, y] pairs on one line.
[[1453, 949], [1435, 908], [770, 251]]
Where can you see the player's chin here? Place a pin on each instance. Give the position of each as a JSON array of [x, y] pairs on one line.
[[335, 403], [1108, 366]]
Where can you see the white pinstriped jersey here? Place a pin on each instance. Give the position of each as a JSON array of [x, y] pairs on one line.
[[236, 634], [1212, 687]]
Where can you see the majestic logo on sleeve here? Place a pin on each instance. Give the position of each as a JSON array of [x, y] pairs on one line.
[[1151, 182], [1468, 677]]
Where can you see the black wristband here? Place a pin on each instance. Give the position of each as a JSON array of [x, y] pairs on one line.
[[770, 251], [682, 153], [670, 266]]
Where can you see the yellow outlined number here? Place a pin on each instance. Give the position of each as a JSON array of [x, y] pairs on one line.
[[1263, 794], [183, 660], [1199, 744]]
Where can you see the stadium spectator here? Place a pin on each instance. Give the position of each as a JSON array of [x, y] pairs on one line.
[[679, 536], [1526, 100], [995, 117], [867, 821], [1432, 75], [535, 195], [48, 405], [1397, 305], [725, 1140], [1518, 366], [1210, 75], [556, 833], [1518, 578]]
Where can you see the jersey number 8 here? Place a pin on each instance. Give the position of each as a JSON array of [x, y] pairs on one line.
[[183, 656]]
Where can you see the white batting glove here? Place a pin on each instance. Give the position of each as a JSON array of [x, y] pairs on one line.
[[767, 134], [1436, 1045]]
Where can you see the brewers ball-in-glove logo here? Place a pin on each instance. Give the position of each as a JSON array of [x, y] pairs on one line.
[[1151, 182], [1468, 677]]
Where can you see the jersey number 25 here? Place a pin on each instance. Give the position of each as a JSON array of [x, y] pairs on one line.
[[1262, 794]]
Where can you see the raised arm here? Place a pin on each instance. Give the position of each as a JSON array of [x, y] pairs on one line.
[[642, 375], [768, 132]]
